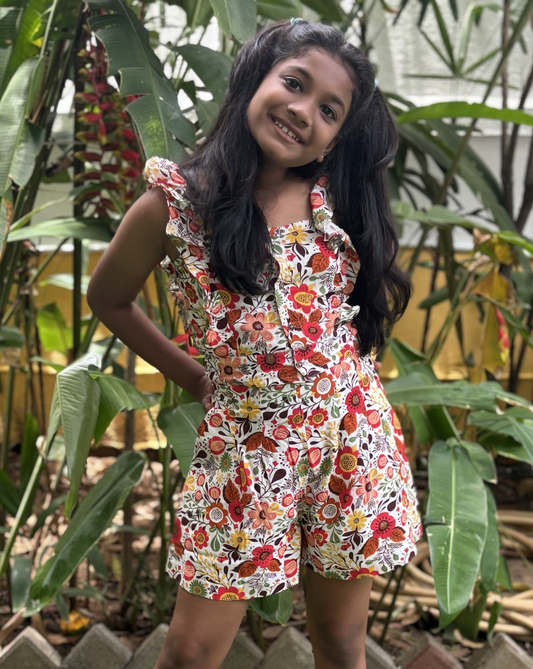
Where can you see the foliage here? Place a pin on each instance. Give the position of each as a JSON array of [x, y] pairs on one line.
[[134, 114]]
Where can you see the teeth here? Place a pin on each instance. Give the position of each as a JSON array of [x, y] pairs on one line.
[[286, 130]]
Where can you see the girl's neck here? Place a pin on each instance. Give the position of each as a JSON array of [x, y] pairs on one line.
[[272, 178]]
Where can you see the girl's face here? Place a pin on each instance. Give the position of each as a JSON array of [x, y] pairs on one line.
[[310, 96]]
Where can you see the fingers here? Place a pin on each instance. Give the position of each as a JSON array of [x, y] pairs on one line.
[[207, 403]]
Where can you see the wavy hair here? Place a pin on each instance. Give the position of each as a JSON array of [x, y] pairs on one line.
[[221, 175]]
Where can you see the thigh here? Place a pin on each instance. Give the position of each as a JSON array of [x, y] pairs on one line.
[[201, 631], [337, 615]]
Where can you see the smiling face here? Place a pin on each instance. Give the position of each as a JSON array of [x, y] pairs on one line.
[[299, 108]]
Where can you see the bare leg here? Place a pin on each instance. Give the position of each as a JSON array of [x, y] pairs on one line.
[[201, 632], [337, 615]]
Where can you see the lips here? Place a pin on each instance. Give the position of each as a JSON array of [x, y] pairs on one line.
[[290, 127]]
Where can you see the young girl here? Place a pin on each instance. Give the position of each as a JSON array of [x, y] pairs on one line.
[[279, 237]]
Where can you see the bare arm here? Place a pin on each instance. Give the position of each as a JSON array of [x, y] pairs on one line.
[[126, 264]]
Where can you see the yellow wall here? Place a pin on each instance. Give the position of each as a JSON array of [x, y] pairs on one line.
[[448, 365]]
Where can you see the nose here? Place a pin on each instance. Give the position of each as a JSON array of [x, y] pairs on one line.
[[299, 112]]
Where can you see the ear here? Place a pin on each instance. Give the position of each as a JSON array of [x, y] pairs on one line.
[[330, 146]]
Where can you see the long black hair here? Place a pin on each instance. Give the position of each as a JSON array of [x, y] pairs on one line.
[[221, 176]]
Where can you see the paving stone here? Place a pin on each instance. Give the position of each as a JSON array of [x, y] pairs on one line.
[[502, 653], [99, 648], [29, 650], [291, 649], [146, 655], [376, 657], [429, 653], [243, 654]]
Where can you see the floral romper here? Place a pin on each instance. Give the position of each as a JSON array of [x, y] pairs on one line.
[[301, 458]]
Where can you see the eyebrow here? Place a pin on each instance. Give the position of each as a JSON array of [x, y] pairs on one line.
[[309, 77]]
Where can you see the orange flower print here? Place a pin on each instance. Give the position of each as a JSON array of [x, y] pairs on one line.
[[363, 573], [382, 525], [323, 386], [316, 201], [367, 486], [229, 369], [355, 401], [346, 462], [317, 538], [229, 299], [329, 319], [303, 349], [262, 516], [216, 515], [258, 327], [296, 418], [329, 512], [302, 297]]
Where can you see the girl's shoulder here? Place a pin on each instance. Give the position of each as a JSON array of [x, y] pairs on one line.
[[165, 173]]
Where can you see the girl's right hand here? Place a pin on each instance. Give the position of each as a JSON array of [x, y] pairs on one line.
[[205, 391]]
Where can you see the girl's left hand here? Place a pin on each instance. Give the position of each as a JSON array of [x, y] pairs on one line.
[[377, 365]]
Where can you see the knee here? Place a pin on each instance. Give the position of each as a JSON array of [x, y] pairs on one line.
[[342, 646], [182, 656]]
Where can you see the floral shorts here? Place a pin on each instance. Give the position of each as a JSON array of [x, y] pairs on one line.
[[291, 475]]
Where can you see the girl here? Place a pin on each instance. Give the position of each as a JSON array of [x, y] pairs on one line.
[[300, 458]]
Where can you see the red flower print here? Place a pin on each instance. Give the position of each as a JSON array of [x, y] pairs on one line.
[[228, 298], [355, 401], [323, 386], [312, 331], [244, 476], [271, 362], [177, 534], [302, 348], [319, 537], [229, 594], [229, 369], [258, 327], [236, 511], [302, 297], [262, 556], [396, 422], [374, 419], [363, 573], [318, 417], [296, 418], [324, 250], [383, 525], [345, 498], [316, 200], [200, 538], [329, 512], [323, 181], [346, 462], [382, 461], [216, 514]]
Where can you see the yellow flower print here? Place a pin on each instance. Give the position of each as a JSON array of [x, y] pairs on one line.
[[296, 234], [239, 540], [249, 409], [356, 520]]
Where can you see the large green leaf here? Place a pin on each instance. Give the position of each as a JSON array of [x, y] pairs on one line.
[[211, 66], [180, 427], [236, 18], [456, 526], [431, 423], [76, 400], [66, 226], [20, 581], [28, 449], [93, 516], [160, 125], [54, 333], [279, 10], [17, 136], [506, 424], [116, 395], [415, 390], [491, 550], [482, 460], [9, 23], [276, 608], [9, 496], [465, 110]]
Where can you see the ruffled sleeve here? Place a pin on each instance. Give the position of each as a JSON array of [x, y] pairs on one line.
[[184, 227]]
